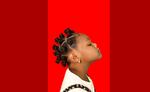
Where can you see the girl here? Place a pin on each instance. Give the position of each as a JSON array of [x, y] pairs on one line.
[[77, 52]]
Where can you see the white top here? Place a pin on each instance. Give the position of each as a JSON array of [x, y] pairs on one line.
[[72, 79]]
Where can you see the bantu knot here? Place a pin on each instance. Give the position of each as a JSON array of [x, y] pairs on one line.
[[68, 32], [56, 53], [57, 40], [61, 36], [64, 59], [55, 47], [58, 60], [62, 49]]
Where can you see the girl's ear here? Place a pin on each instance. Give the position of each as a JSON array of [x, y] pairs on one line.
[[74, 57]]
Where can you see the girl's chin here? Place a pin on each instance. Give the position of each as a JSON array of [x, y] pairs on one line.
[[99, 56]]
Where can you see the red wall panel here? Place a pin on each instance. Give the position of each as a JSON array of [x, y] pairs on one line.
[[89, 17]]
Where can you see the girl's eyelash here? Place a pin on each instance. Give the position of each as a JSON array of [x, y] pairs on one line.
[[89, 44]]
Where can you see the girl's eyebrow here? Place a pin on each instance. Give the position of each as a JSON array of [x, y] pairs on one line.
[[89, 41], [87, 38]]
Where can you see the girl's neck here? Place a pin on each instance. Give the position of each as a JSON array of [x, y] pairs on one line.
[[81, 72]]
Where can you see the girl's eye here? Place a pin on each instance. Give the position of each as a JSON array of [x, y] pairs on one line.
[[90, 44]]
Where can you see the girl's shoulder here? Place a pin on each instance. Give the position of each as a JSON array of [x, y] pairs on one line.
[[74, 83]]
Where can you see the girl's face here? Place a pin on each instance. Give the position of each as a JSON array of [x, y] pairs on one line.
[[87, 49]]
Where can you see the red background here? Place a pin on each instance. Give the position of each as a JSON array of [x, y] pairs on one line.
[[24, 46], [89, 17]]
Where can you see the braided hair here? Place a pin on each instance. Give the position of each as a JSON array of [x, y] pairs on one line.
[[63, 46]]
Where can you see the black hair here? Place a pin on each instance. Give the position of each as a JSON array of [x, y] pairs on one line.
[[62, 47]]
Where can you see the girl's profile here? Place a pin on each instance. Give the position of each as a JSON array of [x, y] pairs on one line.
[[77, 52]]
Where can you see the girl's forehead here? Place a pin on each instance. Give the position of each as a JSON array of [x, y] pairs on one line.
[[82, 37], [82, 41]]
